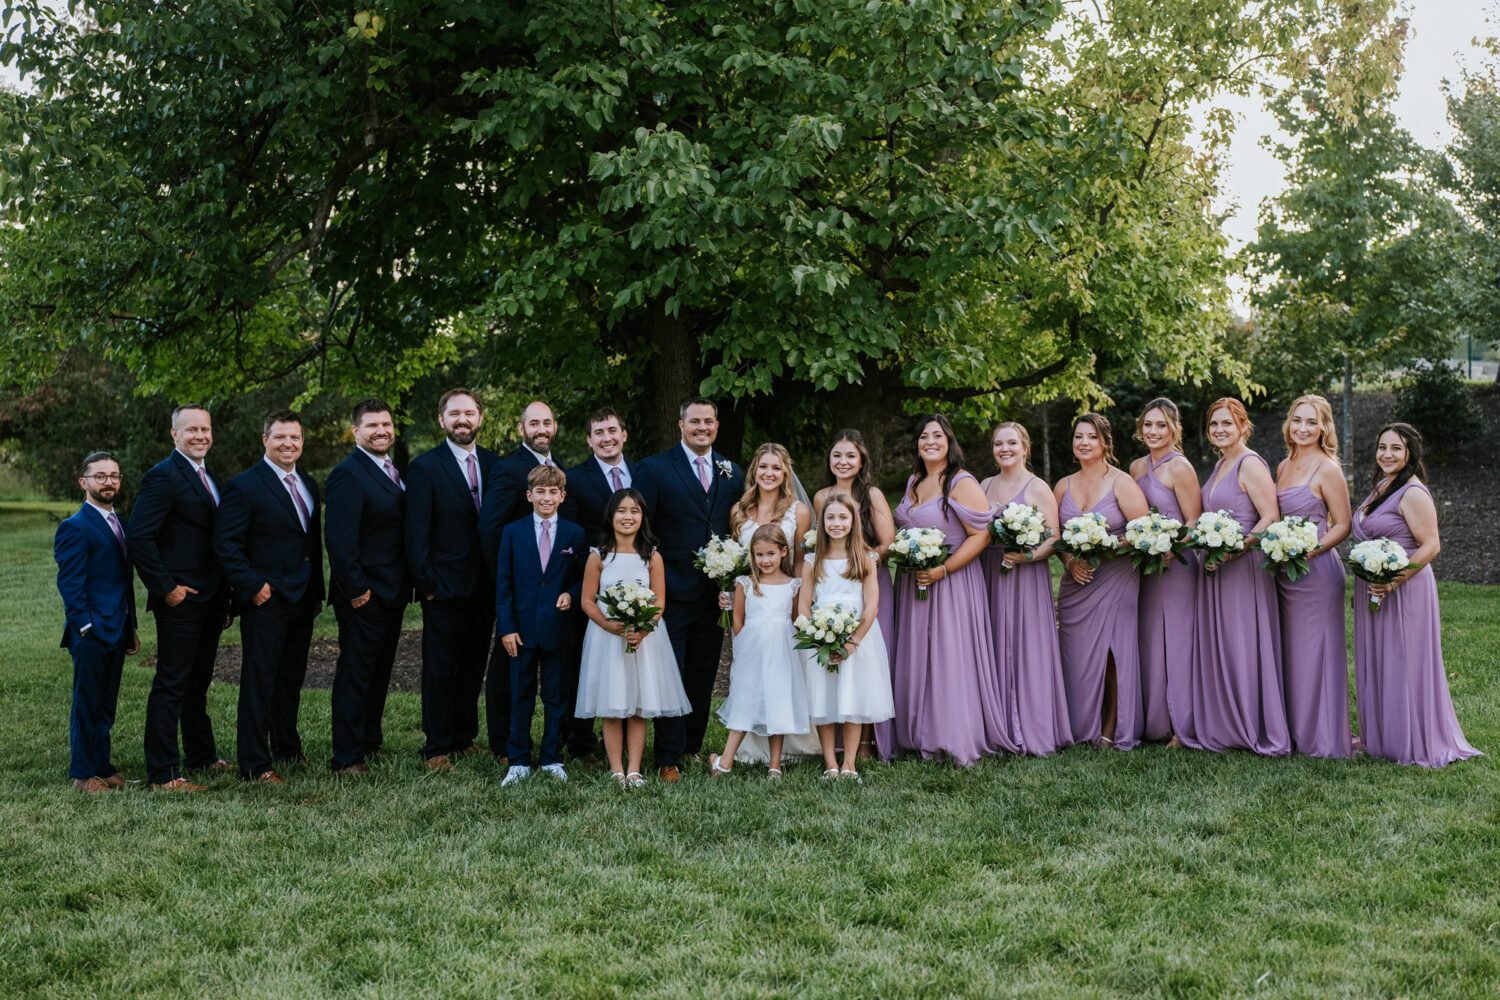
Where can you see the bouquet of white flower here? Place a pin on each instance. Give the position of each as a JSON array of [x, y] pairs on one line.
[[1287, 544], [810, 540], [721, 560], [1087, 537], [917, 549], [1153, 541], [1019, 528], [1378, 560], [827, 630], [1218, 534], [632, 605]]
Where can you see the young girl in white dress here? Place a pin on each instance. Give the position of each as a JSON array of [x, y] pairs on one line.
[[626, 677], [766, 692], [842, 571]]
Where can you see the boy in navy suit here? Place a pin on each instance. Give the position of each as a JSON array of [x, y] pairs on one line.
[[93, 577], [537, 581]]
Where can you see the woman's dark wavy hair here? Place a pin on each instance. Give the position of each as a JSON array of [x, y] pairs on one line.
[[955, 454], [645, 540], [1412, 438], [859, 488]]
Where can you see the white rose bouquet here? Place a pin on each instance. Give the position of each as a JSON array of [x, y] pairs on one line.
[[1378, 560], [1153, 541], [1218, 534], [827, 630], [721, 560], [1286, 545], [916, 549], [632, 605], [810, 540], [1087, 537], [1019, 528]]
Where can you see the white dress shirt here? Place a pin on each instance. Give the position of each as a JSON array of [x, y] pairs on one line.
[[606, 468]]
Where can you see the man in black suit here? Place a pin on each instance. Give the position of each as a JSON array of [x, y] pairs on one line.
[[172, 545], [368, 584], [268, 537], [445, 490], [504, 503], [689, 489]]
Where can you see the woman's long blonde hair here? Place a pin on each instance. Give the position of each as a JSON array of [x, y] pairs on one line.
[[1328, 439], [859, 552], [744, 510]]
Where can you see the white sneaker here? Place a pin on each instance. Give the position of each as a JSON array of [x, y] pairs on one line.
[[515, 774], [556, 770]]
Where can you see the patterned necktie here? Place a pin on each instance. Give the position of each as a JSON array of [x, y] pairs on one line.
[[390, 470], [208, 487], [702, 463], [544, 544], [473, 465], [302, 512], [614, 477], [114, 525]]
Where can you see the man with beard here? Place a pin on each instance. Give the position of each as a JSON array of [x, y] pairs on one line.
[[369, 587], [445, 491], [171, 536], [93, 577], [268, 536]]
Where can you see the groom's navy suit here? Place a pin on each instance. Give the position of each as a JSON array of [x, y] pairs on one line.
[[684, 516], [504, 502]]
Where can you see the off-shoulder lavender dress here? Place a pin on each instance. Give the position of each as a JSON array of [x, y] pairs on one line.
[[1024, 624], [1400, 689], [1098, 621], [1168, 621], [1238, 699], [947, 692], [1314, 653]]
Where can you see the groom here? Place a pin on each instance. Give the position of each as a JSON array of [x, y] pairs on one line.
[[689, 489]]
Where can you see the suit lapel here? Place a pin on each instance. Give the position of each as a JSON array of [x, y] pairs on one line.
[[277, 486], [450, 468], [690, 478], [190, 476], [94, 519], [376, 473]]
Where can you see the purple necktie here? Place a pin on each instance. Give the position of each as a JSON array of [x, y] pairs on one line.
[[544, 545], [114, 525], [473, 465], [208, 487], [302, 512], [703, 473], [614, 477], [390, 470]]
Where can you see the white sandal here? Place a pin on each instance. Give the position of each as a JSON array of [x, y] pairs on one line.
[[773, 773], [713, 762], [831, 774], [634, 780], [619, 777], [847, 773]]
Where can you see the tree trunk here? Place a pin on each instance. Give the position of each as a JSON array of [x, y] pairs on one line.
[[1047, 444], [1349, 418], [672, 375]]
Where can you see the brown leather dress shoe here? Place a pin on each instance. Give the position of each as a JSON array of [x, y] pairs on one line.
[[177, 785], [669, 774], [92, 786], [222, 766], [439, 763], [353, 771], [116, 780], [468, 751], [270, 778]]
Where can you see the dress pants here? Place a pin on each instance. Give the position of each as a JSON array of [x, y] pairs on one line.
[[577, 733], [274, 637], [455, 642], [96, 690], [697, 640], [497, 700], [368, 636], [187, 640], [529, 670]]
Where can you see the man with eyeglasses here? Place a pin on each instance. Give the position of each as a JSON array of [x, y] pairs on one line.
[[93, 577]]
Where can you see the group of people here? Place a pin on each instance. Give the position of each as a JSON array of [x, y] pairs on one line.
[[507, 558]]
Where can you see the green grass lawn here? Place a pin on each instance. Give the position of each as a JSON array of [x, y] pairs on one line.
[[1153, 873]]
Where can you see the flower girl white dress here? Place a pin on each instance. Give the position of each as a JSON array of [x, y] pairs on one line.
[[766, 695], [860, 690], [615, 684]]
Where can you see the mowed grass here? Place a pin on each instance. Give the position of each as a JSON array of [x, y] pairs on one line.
[[1151, 874]]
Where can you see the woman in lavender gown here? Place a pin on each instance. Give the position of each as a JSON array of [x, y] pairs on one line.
[[850, 471], [948, 698], [1022, 617], [1097, 608], [1400, 690], [1169, 599], [1314, 653], [1237, 700]]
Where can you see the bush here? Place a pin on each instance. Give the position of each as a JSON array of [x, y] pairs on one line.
[[1435, 400]]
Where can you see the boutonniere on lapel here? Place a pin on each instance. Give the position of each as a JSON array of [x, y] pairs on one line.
[[726, 469], [568, 551]]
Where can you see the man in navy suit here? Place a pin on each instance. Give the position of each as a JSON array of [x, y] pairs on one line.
[[689, 489], [368, 584], [171, 536], [269, 539], [537, 588], [93, 577], [445, 490]]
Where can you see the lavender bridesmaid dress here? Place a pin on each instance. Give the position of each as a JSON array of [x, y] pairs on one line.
[[1169, 616], [885, 614], [1237, 700], [948, 697], [1024, 624], [1314, 653], [1400, 690], [1098, 620]]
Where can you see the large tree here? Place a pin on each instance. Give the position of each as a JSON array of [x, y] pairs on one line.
[[1472, 172]]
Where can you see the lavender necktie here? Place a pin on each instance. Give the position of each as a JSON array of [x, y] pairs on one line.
[[703, 473], [208, 487], [390, 470], [614, 477], [114, 525], [473, 465], [302, 511], [544, 544]]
